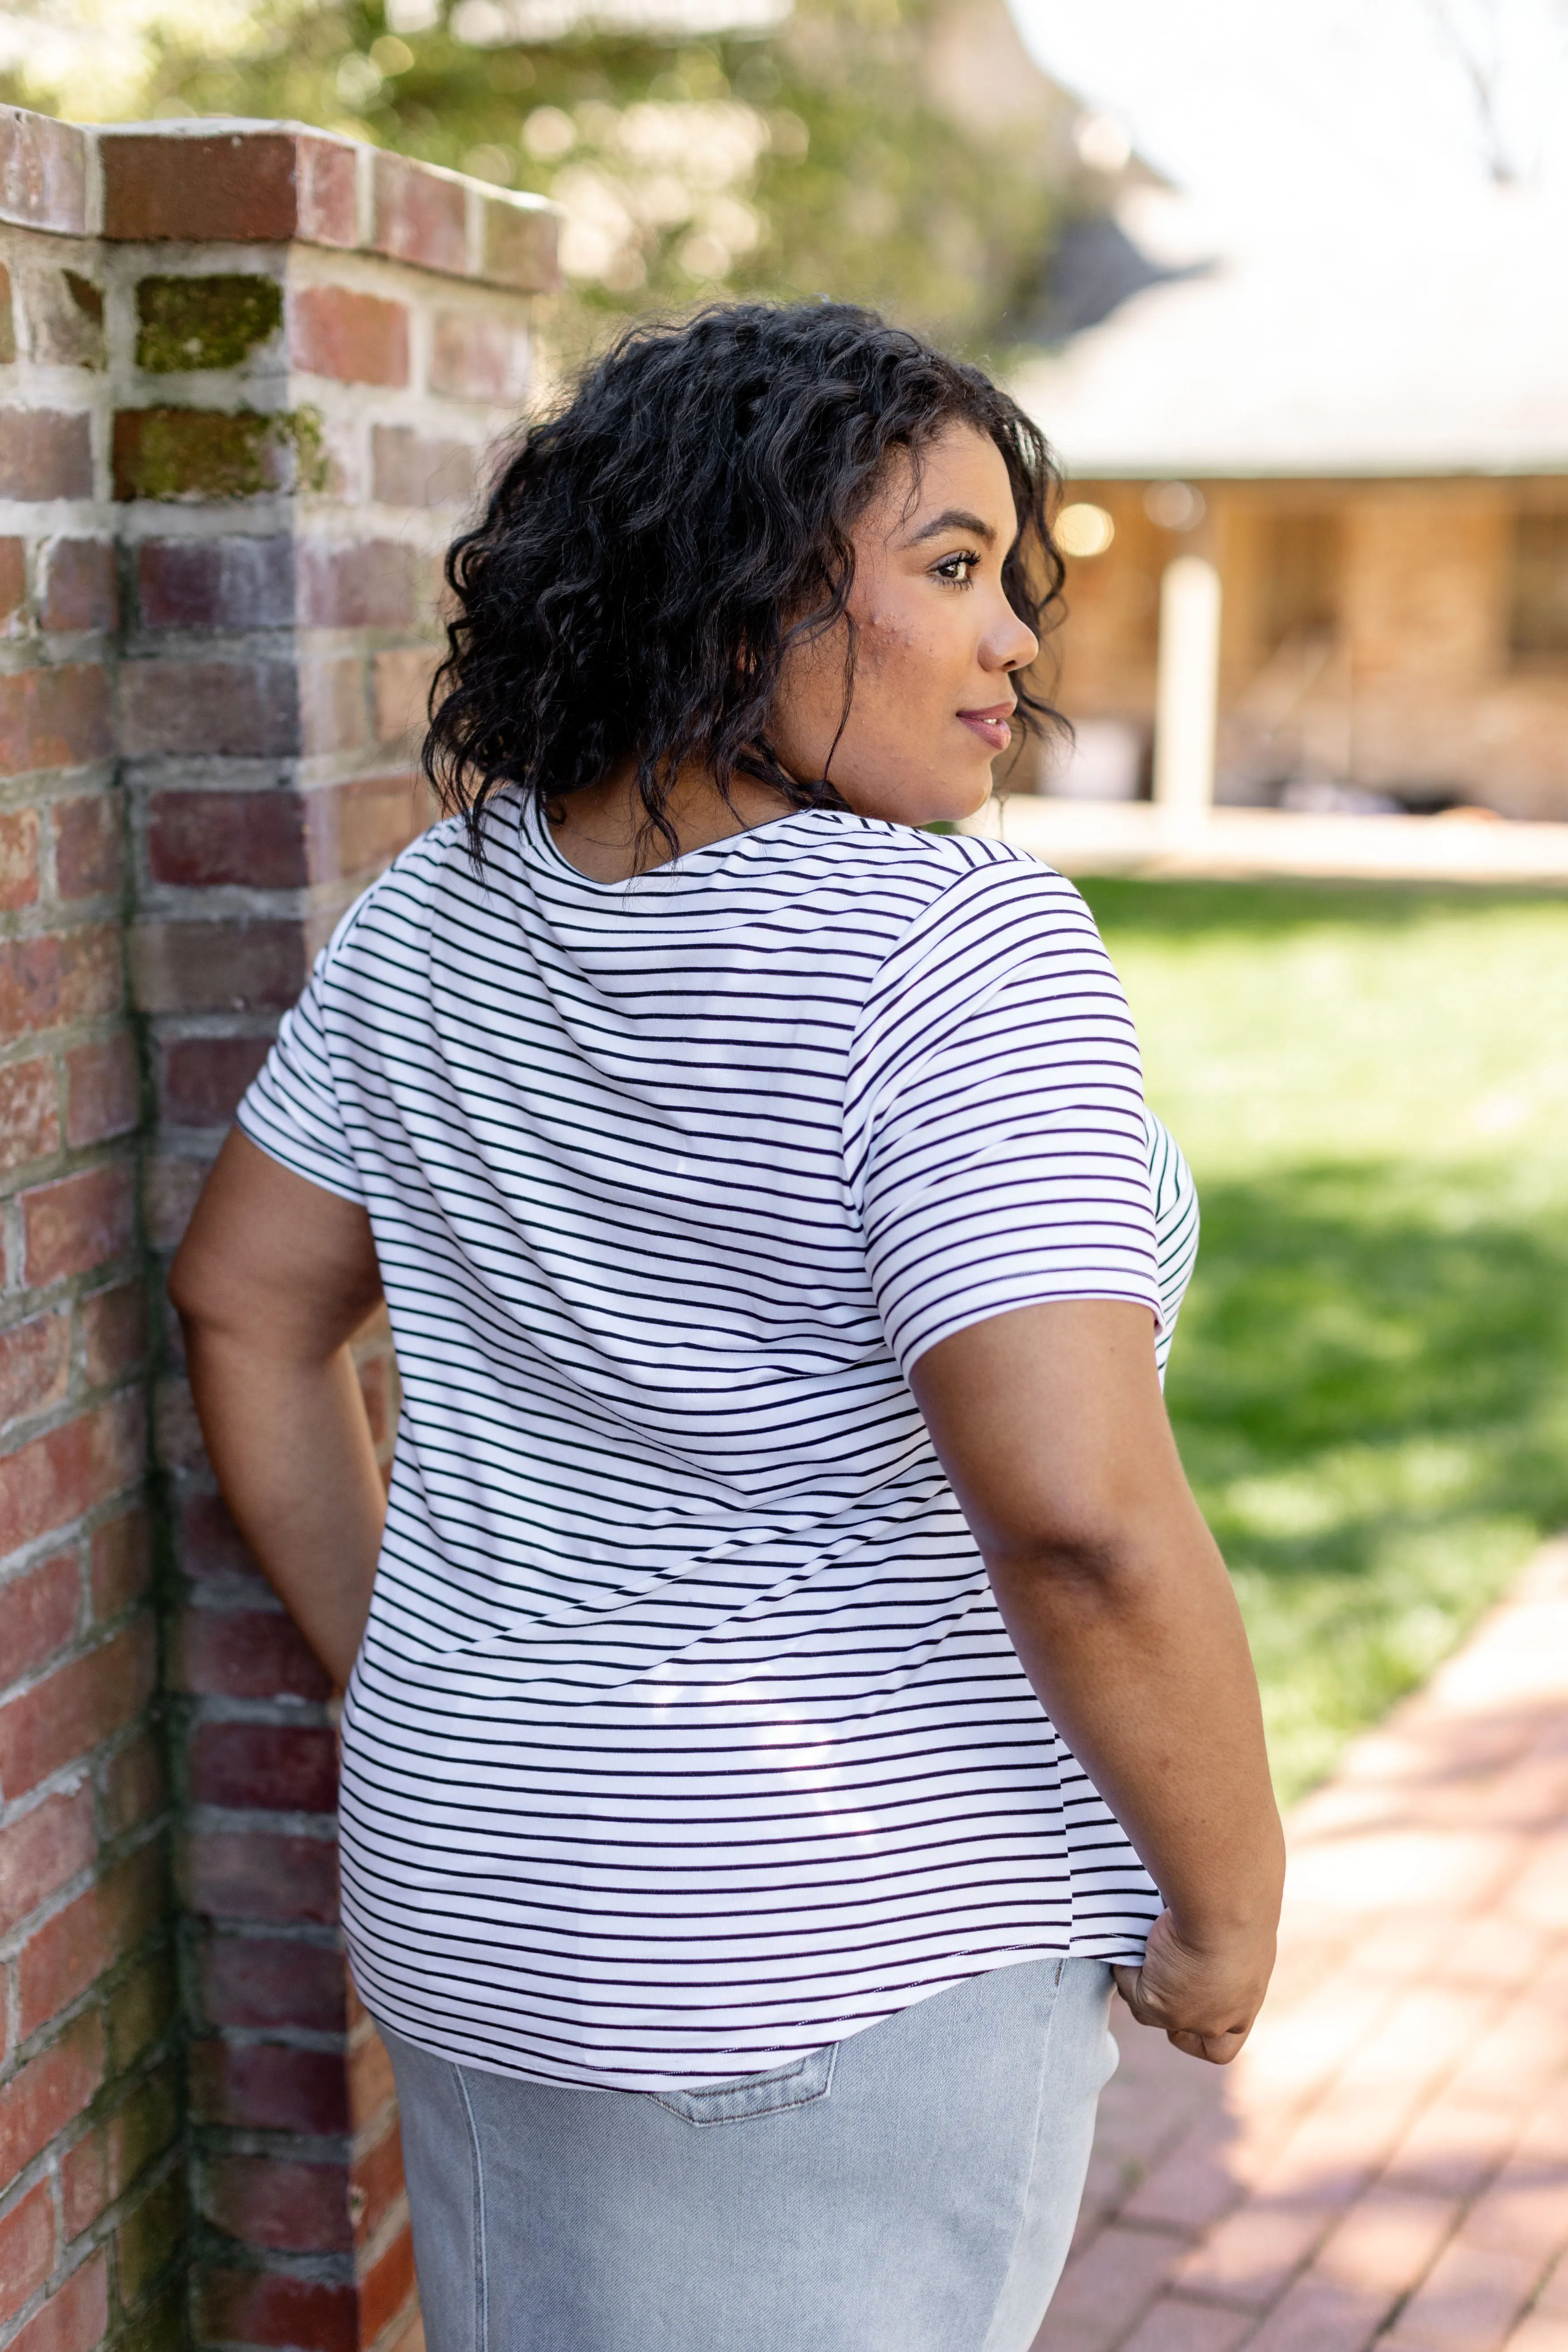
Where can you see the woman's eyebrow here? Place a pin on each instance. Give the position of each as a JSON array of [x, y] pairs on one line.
[[953, 519]]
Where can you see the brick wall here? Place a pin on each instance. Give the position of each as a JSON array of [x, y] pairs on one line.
[[249, 380]]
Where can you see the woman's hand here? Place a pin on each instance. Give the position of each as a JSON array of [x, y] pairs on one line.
[[1205, 1996]]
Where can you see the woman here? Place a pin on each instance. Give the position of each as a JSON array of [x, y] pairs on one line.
[[792, 1659]]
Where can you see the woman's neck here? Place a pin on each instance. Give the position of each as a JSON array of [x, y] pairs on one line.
[[602, 828]]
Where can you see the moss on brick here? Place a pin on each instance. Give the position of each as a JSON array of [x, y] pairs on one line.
[[152, 2237], [208, 453], [204, 323]]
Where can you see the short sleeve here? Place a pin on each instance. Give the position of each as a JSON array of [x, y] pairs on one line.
[[1176, 1229], [291, 1110], [995, 1142]]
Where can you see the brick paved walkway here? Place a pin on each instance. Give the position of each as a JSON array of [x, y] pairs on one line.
[[1387, 2162]]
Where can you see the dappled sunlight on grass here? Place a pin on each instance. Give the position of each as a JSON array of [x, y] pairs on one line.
[[1371, 1382]]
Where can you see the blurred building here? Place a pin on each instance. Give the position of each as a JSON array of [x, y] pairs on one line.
[[1367, 434]]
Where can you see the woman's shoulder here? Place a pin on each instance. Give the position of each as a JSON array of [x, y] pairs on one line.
[[916, 863]]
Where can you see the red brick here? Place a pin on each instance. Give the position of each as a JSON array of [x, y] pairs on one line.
[[44, 453], [40, 1851], [89, 846], [56, 717], [226, 967], [29, 1123], [408, 470], [402, 688], [35, 1365], [251, 186], [38, 1613], [13, 580], [373, 2089], [47, 2094], [26, 2250], [120, 1560], [271, 2308], [236, 709], [113, 1332], [61, 1959], [518, 244], [216, 583], [195, 839], [80, 589], [368, 584], [75, 2319], [248, 1654], [78, 1222], [172, 1185], [328, 181], [386, 2286], [43, 173], [200, 453], [1253, 2254], [1474, 2294], [476, 356], [261, 1981], [176, 1432], [1172, 2326], [269, 2086], [18, 858], [245, 1874], [76, 1707], [265, 1766], [1108, 2286], [103, 1091], [210, 1544], [202, 1079], [355, 338], [332, 713], [134, 1786], [106, 2161], [287, 2207], [376, 2182], [361, 826], [420, 215], [63, 977]]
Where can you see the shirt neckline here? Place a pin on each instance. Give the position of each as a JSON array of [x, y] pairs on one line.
[[538, 838]]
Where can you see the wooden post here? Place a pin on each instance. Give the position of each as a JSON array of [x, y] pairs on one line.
[[1188, 687]]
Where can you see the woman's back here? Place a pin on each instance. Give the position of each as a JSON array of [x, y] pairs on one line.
[[671, 1180]]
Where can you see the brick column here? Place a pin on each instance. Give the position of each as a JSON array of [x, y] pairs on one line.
[[289, 356], [90, 2217]]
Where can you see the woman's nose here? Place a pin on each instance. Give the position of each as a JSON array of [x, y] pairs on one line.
[[1010, 643]]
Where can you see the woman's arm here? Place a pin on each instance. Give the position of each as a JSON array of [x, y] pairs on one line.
[[1050, 1424], [272, 1280]]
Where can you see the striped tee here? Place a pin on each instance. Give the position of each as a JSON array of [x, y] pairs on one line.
[[685, 1735]]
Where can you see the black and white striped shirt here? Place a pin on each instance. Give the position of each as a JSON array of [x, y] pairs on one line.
[[685, 1735]]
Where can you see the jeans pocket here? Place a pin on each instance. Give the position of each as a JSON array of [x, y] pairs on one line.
[[794, 2085]]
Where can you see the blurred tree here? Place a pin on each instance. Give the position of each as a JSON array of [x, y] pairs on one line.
[[902, 152]]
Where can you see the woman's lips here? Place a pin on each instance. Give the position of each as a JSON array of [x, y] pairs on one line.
[[993, 726]]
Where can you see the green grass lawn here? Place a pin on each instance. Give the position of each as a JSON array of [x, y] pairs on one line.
[[1370, 1385]]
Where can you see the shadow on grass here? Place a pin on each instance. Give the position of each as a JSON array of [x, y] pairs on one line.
[[1370, 1386]]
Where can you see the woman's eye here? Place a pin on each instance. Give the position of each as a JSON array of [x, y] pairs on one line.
[[957, 569]]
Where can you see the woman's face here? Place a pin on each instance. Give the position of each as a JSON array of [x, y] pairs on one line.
[[935, 644]]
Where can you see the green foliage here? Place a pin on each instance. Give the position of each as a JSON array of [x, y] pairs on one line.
[[824, 157], [1370, 1385]]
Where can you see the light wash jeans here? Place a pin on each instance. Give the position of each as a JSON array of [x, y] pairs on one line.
[[913, 2188]]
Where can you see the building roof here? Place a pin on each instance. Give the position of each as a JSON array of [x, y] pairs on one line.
[[1438, 347]]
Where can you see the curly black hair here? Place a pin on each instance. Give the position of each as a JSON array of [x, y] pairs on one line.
[[650, 550]]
